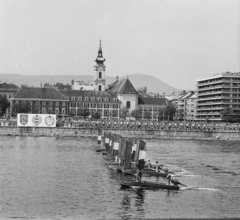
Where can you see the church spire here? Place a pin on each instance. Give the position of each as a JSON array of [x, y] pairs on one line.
[[100, 59]]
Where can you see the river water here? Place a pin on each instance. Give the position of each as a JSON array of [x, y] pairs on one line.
[[49, 178]]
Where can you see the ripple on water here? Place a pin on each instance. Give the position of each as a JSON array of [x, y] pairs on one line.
[[66, 178]]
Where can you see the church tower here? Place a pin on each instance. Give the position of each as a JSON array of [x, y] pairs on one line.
[[99, 77]]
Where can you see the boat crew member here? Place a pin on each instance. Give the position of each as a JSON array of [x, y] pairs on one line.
[[139, 175], [157, 168], [148, 165], [173, 181]]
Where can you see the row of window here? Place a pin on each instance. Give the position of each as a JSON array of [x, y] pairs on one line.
[[56, 111], [92, 105], [45, 103], [92, 99], [79, 112], [154, 108]]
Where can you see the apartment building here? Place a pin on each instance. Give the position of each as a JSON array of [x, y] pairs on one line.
[[216, 93]]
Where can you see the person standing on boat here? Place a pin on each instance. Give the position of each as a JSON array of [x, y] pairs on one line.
[[157, 167]]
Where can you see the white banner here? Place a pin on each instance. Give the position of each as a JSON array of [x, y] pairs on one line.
[[36, 120]]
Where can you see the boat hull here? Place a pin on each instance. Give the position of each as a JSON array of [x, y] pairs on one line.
[[145, 173], [145, 184]]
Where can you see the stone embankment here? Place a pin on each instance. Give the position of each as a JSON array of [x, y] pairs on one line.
[[146, 134]]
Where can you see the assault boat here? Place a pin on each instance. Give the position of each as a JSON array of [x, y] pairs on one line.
[[145, 184]]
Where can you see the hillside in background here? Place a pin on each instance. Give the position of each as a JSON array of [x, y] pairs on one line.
[[153, 84]]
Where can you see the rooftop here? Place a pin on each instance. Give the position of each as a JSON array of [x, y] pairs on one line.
[[123, 86], [39, 93]]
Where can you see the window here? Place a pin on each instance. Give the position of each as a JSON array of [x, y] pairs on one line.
[[86, 98], [50, 110], [106, 99], [100, 99], [106, 112], [57, 103], [63, 111], [115, 105], [43, 110], [100, 75], [93, 105], [37, 103], [73, 111], [80, 105], [115, 99], [128, 104], [73, 104], [86, 105], [43, 103], [80, 98], [93, 99], [73, 98], [63, 103], [57, 111], [99, 105], [99, 112], [50, 103], [99, 88], [106, 105], [31, 103]]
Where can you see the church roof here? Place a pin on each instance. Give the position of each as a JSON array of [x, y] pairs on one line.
[[152, 101], [39, 93], [123, 86]]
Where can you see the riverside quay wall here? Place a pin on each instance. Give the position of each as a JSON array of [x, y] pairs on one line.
[[146, 134]]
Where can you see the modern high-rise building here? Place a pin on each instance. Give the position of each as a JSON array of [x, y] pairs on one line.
[[219, 92]]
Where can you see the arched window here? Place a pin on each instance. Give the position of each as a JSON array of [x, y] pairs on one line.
[[128, 104], [99, 88], [100, 75]]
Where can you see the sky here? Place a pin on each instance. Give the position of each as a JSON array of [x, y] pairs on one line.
[[177, 41]]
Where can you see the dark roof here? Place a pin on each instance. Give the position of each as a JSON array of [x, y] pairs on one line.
[[123, 86], [8, 86], [58, 86], [153, 101], [39, 93], [90, 94]]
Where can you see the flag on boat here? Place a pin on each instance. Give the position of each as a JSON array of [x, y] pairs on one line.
[[128, 155], [142, 154]]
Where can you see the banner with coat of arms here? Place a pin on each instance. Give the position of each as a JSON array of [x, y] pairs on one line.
[[36, 120]]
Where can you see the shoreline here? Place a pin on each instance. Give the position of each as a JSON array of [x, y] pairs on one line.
[[146, 134]]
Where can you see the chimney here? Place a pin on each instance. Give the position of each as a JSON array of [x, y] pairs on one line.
[[72, 82], [117, 78]]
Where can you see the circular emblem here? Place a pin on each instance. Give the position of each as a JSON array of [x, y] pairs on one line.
[[49, 120], [36, 120]]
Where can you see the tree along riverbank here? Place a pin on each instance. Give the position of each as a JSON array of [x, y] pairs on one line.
[[128, 133]]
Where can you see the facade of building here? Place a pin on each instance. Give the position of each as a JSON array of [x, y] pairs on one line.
[[126, 93], [7, 90], [191, 107], [154, 106], [217, 93], [186, 105], [84, 103], [42, 100]]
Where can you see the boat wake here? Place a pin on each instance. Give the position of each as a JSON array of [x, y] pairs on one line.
[[184, 175], [199, 188]]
